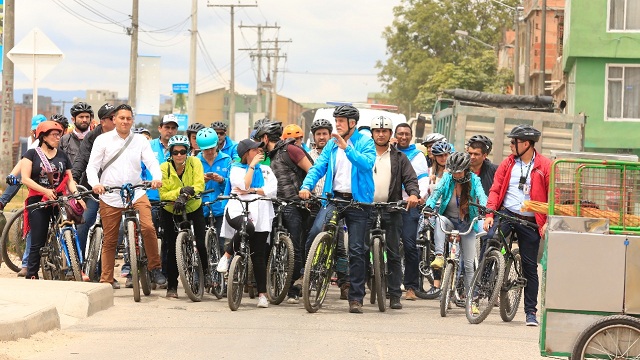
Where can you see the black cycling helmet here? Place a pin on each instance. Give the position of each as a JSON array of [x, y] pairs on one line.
[[459, 162], [272, 128], [219, 125], [62, 120], [81, 107], [440, 148], [194, 128], [488, 144], [321, 124], [525, 132], [259, 122], [346, 111]]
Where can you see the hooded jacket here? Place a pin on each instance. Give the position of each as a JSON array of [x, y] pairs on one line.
[[193, 176]]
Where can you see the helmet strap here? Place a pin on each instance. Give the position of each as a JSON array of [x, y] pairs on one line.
[[48, 146]]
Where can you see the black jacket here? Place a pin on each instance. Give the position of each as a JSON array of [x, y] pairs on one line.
[[82, 159], [289, 175], [70, 144], [487, 172], [402, 173]]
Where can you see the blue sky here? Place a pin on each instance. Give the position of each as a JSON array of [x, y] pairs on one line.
[[335, 44]]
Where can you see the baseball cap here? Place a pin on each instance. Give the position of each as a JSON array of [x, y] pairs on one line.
[[106, 110], [246, 145], [169, 118]]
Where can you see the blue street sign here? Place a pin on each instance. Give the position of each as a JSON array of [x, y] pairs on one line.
[[180, 88], [183, 121]]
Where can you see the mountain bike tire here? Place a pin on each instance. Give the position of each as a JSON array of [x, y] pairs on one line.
[[317, 272], [93, 255], [74, 262], [485, 286], [133, 259], [379, 274], [280, 269], [13, 241], [143, 272], [189, 267], [237, 281], [213, 249], [510, 293], [448, 289]]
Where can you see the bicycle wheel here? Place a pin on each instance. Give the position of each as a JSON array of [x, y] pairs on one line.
[[50, 260], [511, 291], [14, 242], [485, 287], [448, 288], [612, 337], [213, 248], [93, 255], [249, 285], [237, 281], [380, 274], [74, 263], [143, 272], [133, 259], [317, 272], [189, 267], [426, 277], [280, 269]]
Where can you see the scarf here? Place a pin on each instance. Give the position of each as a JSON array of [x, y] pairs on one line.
[[62, 188], [80, 135], [258, 179], [411, 151]]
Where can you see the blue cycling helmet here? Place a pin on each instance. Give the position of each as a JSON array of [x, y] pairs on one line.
[[179, 140], [36, 120], [206, 138], [440, 148]]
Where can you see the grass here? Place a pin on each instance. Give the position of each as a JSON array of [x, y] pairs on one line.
[[18, 200]]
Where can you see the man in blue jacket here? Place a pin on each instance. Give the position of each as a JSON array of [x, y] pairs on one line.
[[347, 162]]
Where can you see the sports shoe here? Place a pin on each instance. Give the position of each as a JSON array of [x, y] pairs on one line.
[[355, 307], [531, 320], [129, 283], [474, 309], [410, 295], [394, 303], [208, 282], [85, 277], [22, 272], [157, 277], [294, 299], [223, 265], [115, 284], [172, 293], [263, 302], [344, 291], [438, 262]]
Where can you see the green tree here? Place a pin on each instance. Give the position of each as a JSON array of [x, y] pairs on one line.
[[421, 43]]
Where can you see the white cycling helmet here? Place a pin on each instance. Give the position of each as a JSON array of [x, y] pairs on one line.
[[381, 122]]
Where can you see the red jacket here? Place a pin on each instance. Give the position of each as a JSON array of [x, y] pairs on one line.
[[539, 184]]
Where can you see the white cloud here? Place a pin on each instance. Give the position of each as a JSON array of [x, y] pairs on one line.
[[330, 37]]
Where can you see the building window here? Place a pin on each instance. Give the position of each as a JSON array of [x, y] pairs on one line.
[[624, 15], [623, 92]]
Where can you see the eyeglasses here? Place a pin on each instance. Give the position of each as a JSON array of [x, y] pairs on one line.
[[220, 133], [179, 152], [55, 134], [514, 141]]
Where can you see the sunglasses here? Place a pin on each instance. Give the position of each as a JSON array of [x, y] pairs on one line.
[[179, 152], [220, 133], [514, 141]]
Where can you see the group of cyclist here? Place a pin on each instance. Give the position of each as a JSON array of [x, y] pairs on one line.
[[382, 165]]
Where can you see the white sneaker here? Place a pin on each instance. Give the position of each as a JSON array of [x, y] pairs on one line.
[[263, 302], [223, 265]]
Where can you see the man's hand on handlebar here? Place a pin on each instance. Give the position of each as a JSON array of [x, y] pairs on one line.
[[488, 223], [304, 194], [412, 202], [156, 184], [98, 189]]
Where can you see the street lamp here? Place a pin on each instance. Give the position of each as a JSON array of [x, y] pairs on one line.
[[466, 34]]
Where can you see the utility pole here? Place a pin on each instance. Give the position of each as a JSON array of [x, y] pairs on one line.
[[133, 60], [191, 105], [516, 54], [232, 85], [6, 123], [259, 55], [274, 82], [543, 45]]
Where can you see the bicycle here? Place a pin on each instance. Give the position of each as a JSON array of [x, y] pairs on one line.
[[426, 254], [140, 275], [281, 259], [214, 252], [240, 269], [452, 285], [13, 241], [321, 259], [499, 272], [378, 254], [60, 258]]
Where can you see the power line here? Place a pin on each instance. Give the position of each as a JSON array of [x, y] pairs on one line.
[[96, 12], [84, 19]]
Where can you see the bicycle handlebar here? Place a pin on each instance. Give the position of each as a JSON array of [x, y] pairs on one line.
[[59, 200], [475, 219], [505, 216]]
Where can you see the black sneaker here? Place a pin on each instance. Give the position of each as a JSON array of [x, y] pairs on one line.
[[394, 303], [158, 278], [355, 307]]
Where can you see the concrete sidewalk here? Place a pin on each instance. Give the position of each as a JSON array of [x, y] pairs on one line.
[[28, 307]]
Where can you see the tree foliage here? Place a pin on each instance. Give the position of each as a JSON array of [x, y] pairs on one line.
[[426, 55]]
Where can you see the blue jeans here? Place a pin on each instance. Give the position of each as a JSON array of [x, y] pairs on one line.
[[392, 225], [89, 217], [467, 245], [27, 250], [528, 243], [411, 256], [357, 222], [9, 193]]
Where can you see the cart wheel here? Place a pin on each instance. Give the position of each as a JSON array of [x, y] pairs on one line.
[[612, 337]]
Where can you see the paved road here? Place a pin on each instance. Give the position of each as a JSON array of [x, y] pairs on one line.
[[159, 328]]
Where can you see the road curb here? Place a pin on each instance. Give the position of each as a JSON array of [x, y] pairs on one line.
[[22, 321]]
